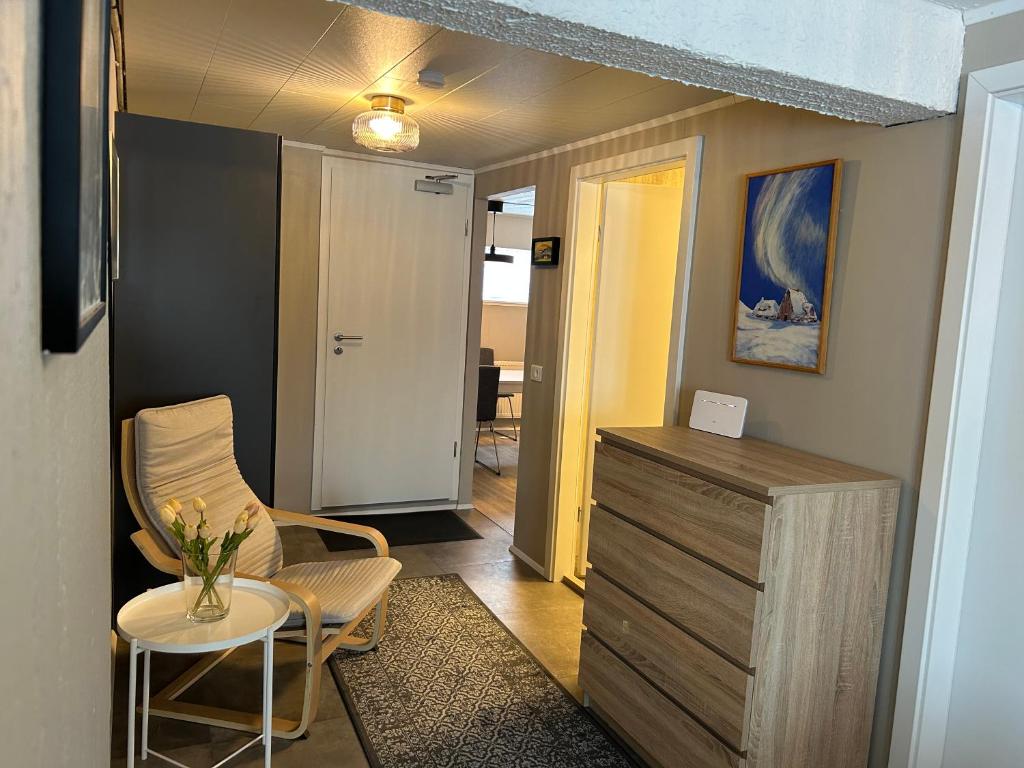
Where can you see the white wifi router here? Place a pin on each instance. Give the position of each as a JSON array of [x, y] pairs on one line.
[[718, 414]]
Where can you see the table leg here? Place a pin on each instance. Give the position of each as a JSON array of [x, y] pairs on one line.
[[145, 704], [132, 653], [268, 694]]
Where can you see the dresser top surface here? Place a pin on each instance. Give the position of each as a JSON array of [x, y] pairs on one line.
[[749, 465]]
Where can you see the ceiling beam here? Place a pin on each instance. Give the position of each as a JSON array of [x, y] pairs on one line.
[[876, 61]]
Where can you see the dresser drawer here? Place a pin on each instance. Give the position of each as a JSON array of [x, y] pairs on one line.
[[710, 604], [654, 723], [716, 523], [709, 687]]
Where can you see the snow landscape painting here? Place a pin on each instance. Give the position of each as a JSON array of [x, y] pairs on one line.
[[785, 274]]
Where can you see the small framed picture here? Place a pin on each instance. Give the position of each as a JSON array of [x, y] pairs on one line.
[[545, 251], [786, 258]]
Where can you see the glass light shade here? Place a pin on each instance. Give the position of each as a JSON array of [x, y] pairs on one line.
[[386, 127]]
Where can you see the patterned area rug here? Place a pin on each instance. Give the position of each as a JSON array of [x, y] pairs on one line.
[[450, 686]]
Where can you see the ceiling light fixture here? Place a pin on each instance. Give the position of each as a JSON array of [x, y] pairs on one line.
[[494, 207], [386, 127]]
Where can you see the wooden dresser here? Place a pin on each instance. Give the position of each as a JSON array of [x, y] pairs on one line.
[[734, 609]]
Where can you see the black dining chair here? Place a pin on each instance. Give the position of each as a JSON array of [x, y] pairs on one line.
[[487, 410], [487, 358]]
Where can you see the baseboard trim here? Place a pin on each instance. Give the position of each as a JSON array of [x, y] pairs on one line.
[[528, 560], [576, 585]]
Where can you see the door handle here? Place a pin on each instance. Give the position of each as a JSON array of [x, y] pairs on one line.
[[343, 337]]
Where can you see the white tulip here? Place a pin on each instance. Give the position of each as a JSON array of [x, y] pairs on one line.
[[198, 504], [174, 504], [204, 530], [190, 532], [254, 518], [240, 522], [167, 516]]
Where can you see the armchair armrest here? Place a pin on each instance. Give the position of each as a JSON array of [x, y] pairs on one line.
[[155, 556], [337, 526]]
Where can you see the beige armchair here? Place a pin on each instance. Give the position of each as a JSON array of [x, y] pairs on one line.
[[188, 450]]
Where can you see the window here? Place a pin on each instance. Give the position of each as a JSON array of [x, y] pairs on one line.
[[508, 283]]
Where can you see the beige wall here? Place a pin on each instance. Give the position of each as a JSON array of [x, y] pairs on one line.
[[869, 407], [503, 328], [54, 469], [297, 318]]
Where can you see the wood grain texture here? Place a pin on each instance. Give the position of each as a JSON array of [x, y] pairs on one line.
[[710, 688], [666, 733], [714, 522], [821, 629], [709, 604], [750, 466]]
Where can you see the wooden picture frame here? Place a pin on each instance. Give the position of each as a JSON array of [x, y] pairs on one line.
[[544, 251], [785, 265], [74, 170]]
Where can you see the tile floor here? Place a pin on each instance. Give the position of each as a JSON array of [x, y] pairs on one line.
[[544, 616]]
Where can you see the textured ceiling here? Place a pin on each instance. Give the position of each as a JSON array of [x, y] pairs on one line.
[[304, 69], [963, 5]]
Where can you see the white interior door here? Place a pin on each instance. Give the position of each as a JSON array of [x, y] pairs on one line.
[[632, 322], [394, 335]]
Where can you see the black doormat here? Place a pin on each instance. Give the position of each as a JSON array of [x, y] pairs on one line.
[[450, 687], [430, 527]]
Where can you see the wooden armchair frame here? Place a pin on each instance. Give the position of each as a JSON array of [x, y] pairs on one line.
[[320, 641]]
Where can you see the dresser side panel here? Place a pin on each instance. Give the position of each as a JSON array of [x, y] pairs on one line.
[[820, 633]]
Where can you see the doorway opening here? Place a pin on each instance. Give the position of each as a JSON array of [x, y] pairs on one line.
[[506, 297], [632, 222]]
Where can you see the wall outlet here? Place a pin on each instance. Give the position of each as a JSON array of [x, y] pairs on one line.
[[536, 373]]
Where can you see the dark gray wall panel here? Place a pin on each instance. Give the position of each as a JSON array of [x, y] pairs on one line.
[[195, 309]]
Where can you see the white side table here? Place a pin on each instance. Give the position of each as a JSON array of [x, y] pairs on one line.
[[156, 621]]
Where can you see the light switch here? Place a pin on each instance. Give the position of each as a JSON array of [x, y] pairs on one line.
[[536, 373]]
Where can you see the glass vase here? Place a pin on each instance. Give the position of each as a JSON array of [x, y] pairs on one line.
[[208, 582]]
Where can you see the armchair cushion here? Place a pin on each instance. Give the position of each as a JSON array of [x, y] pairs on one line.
[[344, 588], [188, 450]]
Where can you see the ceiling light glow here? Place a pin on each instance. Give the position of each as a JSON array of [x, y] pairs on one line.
[[386, 127]]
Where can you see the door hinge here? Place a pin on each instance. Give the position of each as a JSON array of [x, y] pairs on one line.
[[467, 227], [455, 449], [579, 514]]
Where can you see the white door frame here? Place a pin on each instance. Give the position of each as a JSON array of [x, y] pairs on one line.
[[989, 148], [687, 151], [323, 277]]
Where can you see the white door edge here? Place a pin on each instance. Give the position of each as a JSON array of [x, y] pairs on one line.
[[960, 381]]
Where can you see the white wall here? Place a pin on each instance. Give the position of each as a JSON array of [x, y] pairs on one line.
[[503, 326], [54, 469], [987, 700]]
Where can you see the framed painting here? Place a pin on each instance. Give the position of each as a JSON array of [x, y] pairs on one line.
[[545, 251], [75, 191], [786, 258]]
